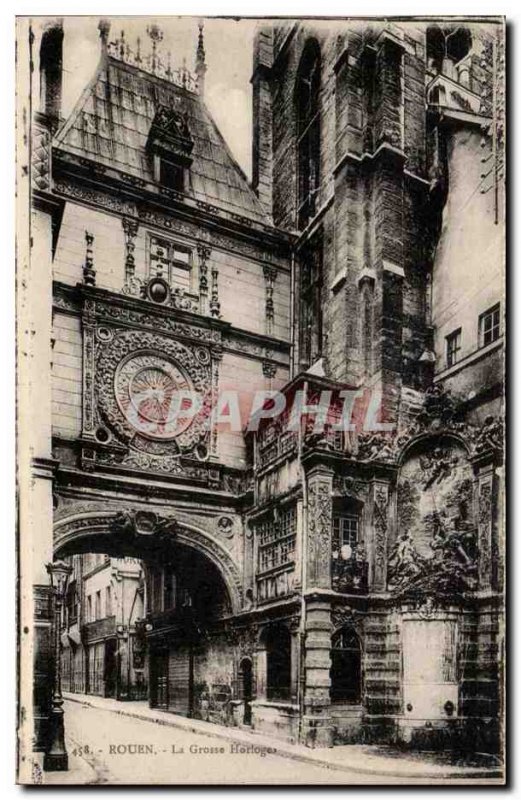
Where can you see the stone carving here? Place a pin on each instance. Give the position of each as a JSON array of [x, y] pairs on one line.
[[439, 414], [270, 275], [89, 273], [203, 251], [490, 436], [485, 531], [92, 196], [436, 466], [91, 523], [172, 466], [40, 165], [104, 334], [69, 506], [132, 284], [64, 302], [269, 369], [320, 511], [436, 548], [225, 525], [376, 447], [345, 615], [220, 240], [157, 322], [126, 366], [346, 485], [405, 563], [215, 305], [135, 524], [381, 500], [88, 323], [113, 202]]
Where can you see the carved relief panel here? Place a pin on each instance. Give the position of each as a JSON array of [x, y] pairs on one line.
[[435, 548], [320, 520]]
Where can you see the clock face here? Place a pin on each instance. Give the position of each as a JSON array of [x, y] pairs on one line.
[[148, 388]]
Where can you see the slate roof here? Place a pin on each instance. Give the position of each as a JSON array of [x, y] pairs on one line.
[[111, 122]]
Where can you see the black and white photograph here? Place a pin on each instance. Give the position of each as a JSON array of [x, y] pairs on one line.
[[260, 298]]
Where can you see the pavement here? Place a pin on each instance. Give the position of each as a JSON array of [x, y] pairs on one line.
[[340, 764]]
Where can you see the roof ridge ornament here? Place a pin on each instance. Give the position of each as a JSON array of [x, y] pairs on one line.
[[156, 35], [104, 30], [200, 59], [154, 63]]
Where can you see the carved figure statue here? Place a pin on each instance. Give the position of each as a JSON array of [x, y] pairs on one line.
[[405, 562], [123, 523]]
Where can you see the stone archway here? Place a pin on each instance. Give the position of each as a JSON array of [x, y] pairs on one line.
[[140, 533]]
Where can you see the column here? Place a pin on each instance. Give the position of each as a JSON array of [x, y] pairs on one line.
[[485, 522], [316, 730]]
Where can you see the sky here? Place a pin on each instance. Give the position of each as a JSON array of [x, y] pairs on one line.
[[229, 52]]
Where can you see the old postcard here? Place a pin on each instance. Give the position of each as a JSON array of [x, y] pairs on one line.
[[261, 321]]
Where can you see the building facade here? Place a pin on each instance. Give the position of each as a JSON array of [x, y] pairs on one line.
[[102, 645], [324, 584]]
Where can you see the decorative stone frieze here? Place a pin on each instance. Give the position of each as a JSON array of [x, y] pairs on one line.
[[203, 251], [89, 273], [270, 275], [132, 285], [319, 528]]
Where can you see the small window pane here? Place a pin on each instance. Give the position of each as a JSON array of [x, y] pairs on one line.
[[181, 255], [489, 326], [171, 176], [453, 347]]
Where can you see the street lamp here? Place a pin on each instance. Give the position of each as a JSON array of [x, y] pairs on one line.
[[56, 758]]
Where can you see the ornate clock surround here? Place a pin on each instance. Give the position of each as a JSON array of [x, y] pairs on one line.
[[130, 375]]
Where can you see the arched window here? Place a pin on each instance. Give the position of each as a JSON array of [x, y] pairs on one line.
[[278, 663], [447, 46], [308, 131], [346, 667], [311, 283], [367, 325]]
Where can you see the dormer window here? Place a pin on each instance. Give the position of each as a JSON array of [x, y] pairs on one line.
[[171, 175], [170, 146]]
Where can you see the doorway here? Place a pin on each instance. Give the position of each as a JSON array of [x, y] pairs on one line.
[[110, 668], [159, 679], [247, 686], [180, 679]]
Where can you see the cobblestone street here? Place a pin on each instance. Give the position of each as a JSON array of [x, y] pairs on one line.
[[111, 745]]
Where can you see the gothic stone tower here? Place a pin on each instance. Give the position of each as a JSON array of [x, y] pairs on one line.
[[361, 133]]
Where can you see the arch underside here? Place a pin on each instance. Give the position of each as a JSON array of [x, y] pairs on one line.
[[94, 533]]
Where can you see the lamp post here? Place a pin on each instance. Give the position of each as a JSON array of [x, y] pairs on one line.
[[56, 758]]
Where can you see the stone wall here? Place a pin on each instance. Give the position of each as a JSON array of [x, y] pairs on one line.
[[239, 276], [372, 192], [213, 680]]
